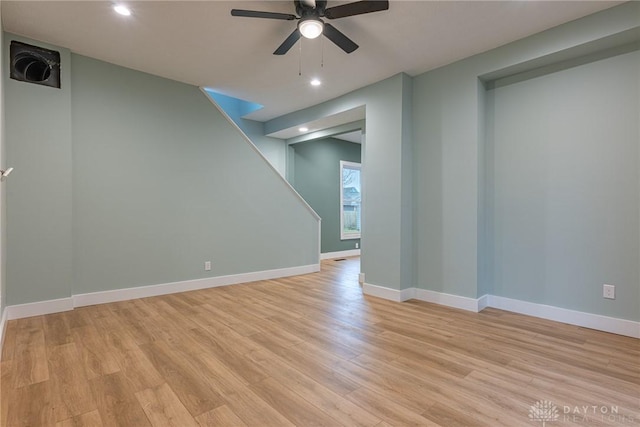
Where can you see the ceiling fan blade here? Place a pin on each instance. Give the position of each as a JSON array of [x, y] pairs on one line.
[[357, 8], [336, 36], [259, 14], [288, 43]]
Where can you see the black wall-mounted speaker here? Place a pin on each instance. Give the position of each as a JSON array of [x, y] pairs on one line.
[[34, 64]]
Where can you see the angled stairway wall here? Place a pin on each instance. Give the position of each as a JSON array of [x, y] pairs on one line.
[[125, 180]]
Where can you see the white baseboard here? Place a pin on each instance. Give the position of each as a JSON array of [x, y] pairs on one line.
[[340, 254], [39, 308], [81, 300], [449, 300], [3, 325], [579, 318], [483, 302], [388, 293], [588, 320]]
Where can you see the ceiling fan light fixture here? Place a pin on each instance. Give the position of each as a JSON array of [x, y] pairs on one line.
[[122, 10], [310, 28]]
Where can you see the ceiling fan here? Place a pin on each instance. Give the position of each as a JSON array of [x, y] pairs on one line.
[[309, 12]]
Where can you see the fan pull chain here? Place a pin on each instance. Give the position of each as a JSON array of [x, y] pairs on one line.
[[300, 57], [322, 52]]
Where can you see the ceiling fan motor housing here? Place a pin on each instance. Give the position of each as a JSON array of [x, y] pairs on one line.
[[309, 13]]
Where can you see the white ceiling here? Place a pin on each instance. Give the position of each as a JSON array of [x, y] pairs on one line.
[[200, 43]]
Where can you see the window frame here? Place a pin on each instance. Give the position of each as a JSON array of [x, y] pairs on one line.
[[348, 165]]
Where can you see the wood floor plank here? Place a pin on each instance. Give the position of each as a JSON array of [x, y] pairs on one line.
[[163, 408], [96, 356], [241, 322], [446, 416], [6, 388], [313, 392], [57, 330], [306, 350], [137, 368], [31, 353], [89, 419], [184, 378], [224, 349], [221, 416], [72, 395], [116, 401], [291, 405], [388, 409], [32, 405], [10, 333], [254, 411], [314, 365]]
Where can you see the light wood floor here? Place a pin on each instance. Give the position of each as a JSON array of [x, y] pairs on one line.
[[306, 351]]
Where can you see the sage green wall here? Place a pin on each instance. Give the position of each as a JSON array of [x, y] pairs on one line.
[[273, 149], [3, 226], [125, 179], [163, 182], [39, 201], [317, 179], [565, 187], [452, 201], [384, 155]]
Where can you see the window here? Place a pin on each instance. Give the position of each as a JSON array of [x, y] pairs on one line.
[[350, 200]]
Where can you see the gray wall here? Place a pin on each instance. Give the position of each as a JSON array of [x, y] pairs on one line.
[[3, 227], [430, 227], [563, 187], [453, 239], [136, 180], [385, 240], [429, 175], [317, 179], [39, 201], [273, 149]]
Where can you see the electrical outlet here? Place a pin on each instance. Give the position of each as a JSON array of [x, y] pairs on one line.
[[357, 245], [207, 266], [361, 278], [609, 291]]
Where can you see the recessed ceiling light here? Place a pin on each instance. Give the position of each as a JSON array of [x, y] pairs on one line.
[[122, 10], [303, 129], [315, 82]]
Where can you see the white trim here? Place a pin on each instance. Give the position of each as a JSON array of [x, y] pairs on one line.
[[388, 293], [257, 150], [81, 300], [3, 325], [557, 314], [449, 300], [319, 240], [188, 285], [579, 318], [39, 308], [588, 320], [354, 166], [483, 302], [340, 254]]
